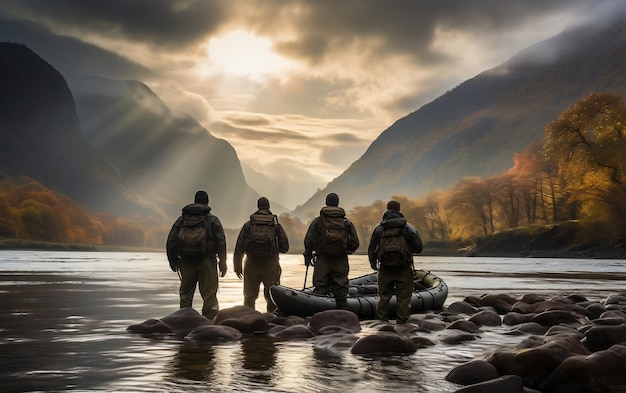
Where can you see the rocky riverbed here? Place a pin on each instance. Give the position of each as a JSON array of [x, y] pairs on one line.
[[566, 343]]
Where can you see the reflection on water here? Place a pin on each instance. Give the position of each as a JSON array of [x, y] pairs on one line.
[[64, 316]]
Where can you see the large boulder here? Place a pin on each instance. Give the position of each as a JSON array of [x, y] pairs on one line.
[[243, 318], [486, 318], [508, 384], [603, 371], [384, 343], [534, 363], [151, 326], [601, 337], [185, 320], [555, 317], [342, 318], [472, 372]]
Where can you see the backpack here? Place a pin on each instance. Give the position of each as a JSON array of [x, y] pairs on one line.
[[334, 240], [393, 249], [262, 240], [192, 237]]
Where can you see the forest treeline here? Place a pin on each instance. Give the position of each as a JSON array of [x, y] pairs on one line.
[[577, 172]]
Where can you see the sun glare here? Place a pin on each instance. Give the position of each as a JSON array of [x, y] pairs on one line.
[[242, 53]]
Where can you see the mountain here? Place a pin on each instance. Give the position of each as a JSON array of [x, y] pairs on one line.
[[476, 128], [113, 146], [40, 136], [164, 157], [271, 189]]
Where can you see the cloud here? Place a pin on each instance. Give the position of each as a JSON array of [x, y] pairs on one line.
[[352, 67], [157, 23]]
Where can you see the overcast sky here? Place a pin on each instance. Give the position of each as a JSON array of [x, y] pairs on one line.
[[301, 88]]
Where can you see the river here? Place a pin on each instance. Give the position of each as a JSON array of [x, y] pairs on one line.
[[64, 318]]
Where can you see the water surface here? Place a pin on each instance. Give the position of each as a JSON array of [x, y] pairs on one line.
[[64, 316]]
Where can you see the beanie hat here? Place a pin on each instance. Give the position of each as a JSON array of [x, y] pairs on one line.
[[201, 197], [332, 199], [393, 205], [263, 203]]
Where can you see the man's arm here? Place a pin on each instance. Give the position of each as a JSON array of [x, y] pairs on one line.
[[220, 244]]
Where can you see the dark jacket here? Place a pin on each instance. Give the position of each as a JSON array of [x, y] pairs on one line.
[[313, 237], [244, 235], [216, 237], [394, 219]]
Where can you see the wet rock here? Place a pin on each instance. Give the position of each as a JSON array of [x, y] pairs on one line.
[[615, 299], [531, 298], [431, 325], [609, 321], [527, 328], [536, 363], [234, 312], [515, 318], [150, 326], [462, 307], [337, 341], [472, 372], [333, 329], [501, 303], [407, 328], [343, 318], [243, 318], [601, 337], [594, 311], [185, 320], [422, 342], [508, 384], [577, 298], [613, 314], [486, 318], [567, 330], [292, 332], [464, 325], [603, 371], [555, 317], [383, 343], [536, 308], [455, 337], [214, 333]]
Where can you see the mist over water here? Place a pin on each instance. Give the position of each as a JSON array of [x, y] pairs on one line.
[[64, 318]]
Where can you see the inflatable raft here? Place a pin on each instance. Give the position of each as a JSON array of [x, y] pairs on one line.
[[429, 293]]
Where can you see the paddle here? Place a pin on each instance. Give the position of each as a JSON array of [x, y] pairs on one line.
[[306, 272]]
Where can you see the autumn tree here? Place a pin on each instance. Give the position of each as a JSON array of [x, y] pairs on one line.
[[471, 204], [587, 145], [365, 218]]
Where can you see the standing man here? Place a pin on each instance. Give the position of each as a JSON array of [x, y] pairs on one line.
[[196, 246], [261, 238], [393, 243], [331, 236]]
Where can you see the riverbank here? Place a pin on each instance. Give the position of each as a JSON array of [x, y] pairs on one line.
[[34, 245]]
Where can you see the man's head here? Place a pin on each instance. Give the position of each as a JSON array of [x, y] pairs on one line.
[[201, 197], [332, 199], [263, 203], [393, 205]]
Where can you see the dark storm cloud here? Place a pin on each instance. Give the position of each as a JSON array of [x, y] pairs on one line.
[[68, 54], [379, 27], [156, 22], [318, 28]]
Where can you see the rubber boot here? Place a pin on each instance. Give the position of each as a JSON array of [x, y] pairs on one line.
[[342, 304]]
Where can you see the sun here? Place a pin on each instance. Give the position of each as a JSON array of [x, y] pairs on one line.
[[242, 53]]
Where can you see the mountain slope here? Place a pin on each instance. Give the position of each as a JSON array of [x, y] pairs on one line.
[[163, 157], [475, 129], [40, 136]]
